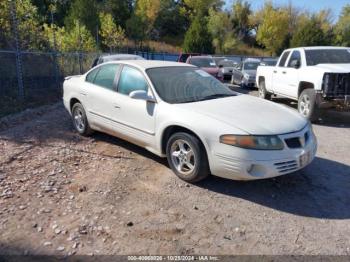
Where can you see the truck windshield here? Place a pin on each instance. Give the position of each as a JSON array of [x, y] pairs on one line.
[[327, 56]]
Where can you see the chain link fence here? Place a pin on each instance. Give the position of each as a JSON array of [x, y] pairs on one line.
[[31, 78]]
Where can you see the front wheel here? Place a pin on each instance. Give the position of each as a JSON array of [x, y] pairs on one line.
[[187, 157], [307, 106]]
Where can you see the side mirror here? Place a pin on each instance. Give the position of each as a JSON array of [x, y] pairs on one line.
[[142, 95], [295, 64], [221, 66]]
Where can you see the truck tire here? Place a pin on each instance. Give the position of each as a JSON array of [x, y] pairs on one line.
[[307, 105], [263, 92]]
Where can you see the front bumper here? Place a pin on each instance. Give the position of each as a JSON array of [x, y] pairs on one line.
[[243, 164], [248, 82]]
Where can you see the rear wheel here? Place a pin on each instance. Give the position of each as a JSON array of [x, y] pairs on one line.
[[307, 106], [187, 157], [80, 121], [263, 92]]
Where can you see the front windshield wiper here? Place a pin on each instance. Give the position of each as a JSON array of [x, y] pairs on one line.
[[215, 96]]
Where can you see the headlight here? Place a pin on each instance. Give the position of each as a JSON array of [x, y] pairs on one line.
[[253, 142], [246, 76]]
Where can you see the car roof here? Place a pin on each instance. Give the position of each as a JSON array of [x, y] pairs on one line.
[[119, 57], [318, 47], [202, 56], [252, 60], [147, 64]]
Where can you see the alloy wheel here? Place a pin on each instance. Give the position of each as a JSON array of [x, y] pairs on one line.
[[305, 105], [79, 119], [183, 157]]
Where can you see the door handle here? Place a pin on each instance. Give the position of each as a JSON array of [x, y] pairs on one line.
[[275, 71], [284, 72], [116, 106], [83, 94]]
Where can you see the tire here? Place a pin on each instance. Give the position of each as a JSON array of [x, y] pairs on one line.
[[190, 167], [263, 92], [307, 106], [80, 121], [232, 80]]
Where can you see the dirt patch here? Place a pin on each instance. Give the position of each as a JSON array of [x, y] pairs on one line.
[[61, 193]]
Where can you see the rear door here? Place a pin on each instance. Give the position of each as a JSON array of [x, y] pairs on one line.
[[279, 74], [101, 96]]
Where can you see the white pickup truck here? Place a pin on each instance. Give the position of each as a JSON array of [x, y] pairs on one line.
[[317, 77]]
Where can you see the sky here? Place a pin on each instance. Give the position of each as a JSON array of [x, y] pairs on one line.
[[312, 5]]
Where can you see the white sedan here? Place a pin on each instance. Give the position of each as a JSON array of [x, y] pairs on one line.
[[178, 111]]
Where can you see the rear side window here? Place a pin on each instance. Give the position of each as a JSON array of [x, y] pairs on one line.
[[283, 59], [130, 80], [91, 76], [105, 77]]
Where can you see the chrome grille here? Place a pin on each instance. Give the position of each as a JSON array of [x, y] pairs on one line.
[[286, 166]]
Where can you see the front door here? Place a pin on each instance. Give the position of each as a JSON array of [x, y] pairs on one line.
[[137, 117]]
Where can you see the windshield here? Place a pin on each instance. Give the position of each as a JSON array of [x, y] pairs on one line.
[[269, 62], [186, 84], [250, 66], [327, 56], [203, 62]]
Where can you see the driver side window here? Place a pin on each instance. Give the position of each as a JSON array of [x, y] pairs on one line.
[[295, 59], [130, 80]]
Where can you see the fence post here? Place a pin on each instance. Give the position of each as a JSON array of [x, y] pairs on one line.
[[80, 63], [55, 52], [18, 51]]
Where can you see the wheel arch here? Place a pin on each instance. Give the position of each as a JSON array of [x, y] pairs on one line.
[[72, 102], [172, 129], [304, 85], [260, 79]]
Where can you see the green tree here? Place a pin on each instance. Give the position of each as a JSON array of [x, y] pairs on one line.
[[272, 31], [309, 33], [79, 38], [113, 35], [120, 9], [56, 37], [342, 28], [241, 11], [193, 8], [86, 13], [220, 27], [197, 38], [170, 20], [61, 10], [29, 25], [136, 29]]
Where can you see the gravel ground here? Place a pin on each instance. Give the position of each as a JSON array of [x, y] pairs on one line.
[[64, 194]]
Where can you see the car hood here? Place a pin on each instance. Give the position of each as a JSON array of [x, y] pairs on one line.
[[334, 68], [250, 114], [250, 72]]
